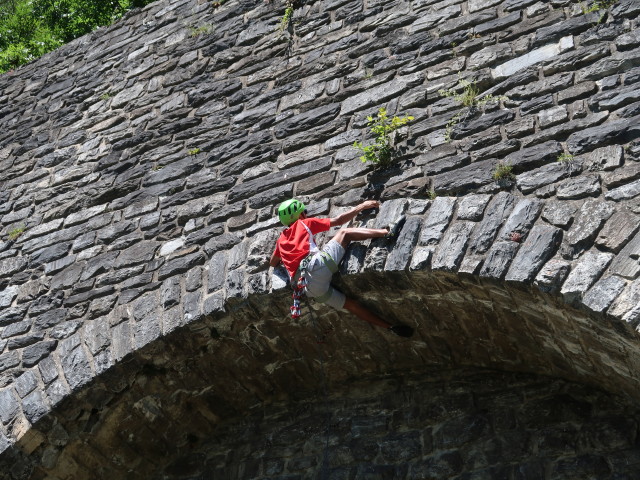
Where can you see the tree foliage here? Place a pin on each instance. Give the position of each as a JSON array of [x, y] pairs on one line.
[[31, 28]]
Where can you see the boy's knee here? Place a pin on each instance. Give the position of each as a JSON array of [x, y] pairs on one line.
[[342, 236]]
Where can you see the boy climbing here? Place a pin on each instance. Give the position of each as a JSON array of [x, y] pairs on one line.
[[311, 269]]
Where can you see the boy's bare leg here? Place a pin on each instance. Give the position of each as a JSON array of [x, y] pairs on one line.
[[364, 314]]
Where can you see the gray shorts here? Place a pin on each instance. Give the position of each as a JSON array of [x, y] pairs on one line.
[[319, 276]]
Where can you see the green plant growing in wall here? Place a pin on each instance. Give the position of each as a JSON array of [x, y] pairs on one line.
[[286, 18], [205, 29], [598, 6], [16, 232], [467, 95], [194, 151], [565, 158], [502, 172], [381, 126]]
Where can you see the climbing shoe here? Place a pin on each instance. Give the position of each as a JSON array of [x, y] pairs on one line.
[[395, 227], [401, 330]]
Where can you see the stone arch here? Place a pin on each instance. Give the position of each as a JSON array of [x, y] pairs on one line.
[[140, 169]]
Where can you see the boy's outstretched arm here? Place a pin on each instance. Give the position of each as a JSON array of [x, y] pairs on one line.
[[351, 214]]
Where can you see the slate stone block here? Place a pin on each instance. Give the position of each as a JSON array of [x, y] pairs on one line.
[[12, 265], [432, 166], [18, 328], [496, 213], [198, 237], [7, 295], [96, 336], [214, 304], [25, 383], [524, 61], [584, 274], [251, 187], [179, 265], [120, 339], [120, 277], [48, 370], [605, 158], [89, 295], [259, 251], [622, 175], [437, 220], [146, 330], [580, 187], [141, 252], [76, 368], [191, 306], [9, 360], [618, 230], [482, 123], [547, 174], [499, 24], [57, 265], [539, 246], [627, 262], [9, 405], [625, 192], [452, 247], [271, 197], [144, 306], [560, 214], [170, 292], [552, 116], [95, 266], [600, 297], [616, 131], [400, 255], [590, 218], [56, 391], [25, 340], [12, 315], [575, 92], [498, 259], [465, 178], [35, 406], [552, 275], [471, 207], [379, 94], [522, 217], [68, 328], [307, 120], [115, 231], [534, 157], [234, 283]]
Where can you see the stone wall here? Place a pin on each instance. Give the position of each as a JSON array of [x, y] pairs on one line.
[[140, 167], [486, 424]]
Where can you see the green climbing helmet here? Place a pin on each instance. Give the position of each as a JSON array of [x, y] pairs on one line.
[[290, 211]]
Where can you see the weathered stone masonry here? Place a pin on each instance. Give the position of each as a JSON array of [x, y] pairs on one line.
[[140, 166]]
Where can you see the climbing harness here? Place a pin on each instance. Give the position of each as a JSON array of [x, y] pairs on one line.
[[299, 281]]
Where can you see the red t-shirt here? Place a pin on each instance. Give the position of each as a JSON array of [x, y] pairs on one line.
[[293, 244]]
